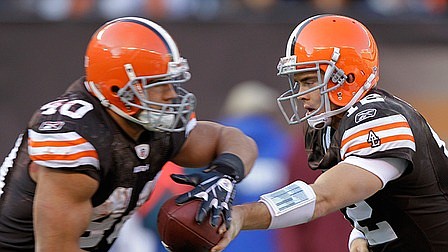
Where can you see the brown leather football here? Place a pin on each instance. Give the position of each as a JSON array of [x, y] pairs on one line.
[[179, 231]]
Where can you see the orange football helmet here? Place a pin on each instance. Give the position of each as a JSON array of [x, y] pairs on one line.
[[124, 59], [340, 47]]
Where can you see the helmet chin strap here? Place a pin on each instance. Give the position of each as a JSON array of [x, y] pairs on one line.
[[324, 119], [321, 120]]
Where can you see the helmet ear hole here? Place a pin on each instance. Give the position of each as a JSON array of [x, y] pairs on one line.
[[350, 78], [114, 89]]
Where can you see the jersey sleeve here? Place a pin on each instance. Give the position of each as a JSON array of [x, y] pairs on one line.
[[375, 129], [391, 168], [56, 150], [65, 134]]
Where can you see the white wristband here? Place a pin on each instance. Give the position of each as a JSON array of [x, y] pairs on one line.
[[355, 234], [291, 205]]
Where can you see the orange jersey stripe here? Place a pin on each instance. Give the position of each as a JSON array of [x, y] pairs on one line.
[[375, 129], [71, 157], [383, 140], [32, 143]]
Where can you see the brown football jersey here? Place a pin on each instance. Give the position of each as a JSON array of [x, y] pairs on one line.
[[411, 212], [75, 133]]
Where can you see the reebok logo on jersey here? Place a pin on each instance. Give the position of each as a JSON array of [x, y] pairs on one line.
[[142, 151], [365, 114], [49, 126]]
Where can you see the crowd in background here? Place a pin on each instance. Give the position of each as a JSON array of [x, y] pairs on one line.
[[209, 10]]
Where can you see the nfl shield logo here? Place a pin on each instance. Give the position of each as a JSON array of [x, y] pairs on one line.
[[142, 151]]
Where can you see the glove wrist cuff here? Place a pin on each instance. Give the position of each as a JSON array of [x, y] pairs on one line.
[[229, 164]]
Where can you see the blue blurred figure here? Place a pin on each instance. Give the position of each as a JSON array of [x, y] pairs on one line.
[[250, 106]]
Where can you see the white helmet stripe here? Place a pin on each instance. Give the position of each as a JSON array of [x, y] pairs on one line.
[[166, 37], [293, 37]]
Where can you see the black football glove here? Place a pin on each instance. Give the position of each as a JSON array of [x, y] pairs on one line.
[[216, 191], [215, 186]]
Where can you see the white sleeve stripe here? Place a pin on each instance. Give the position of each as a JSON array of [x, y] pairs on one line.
[[66, 150], [385, 133], [386, 169], [69, 163], [391, 135], [61, 150], [381, 134], [39, 137], [367, 149], [384, 121]]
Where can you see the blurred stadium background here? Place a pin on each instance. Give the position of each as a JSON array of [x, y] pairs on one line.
[[42, 45]]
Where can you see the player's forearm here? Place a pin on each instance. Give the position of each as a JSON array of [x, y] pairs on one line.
[[62, 209], [58, 231], [235, 142], [53, 234], [343, 185], [256, 216]]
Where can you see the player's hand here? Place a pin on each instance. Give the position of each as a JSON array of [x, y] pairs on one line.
[[216, 190], [359, 245], [230, 232]]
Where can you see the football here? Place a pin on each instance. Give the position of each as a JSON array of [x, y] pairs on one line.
[[179, 231]]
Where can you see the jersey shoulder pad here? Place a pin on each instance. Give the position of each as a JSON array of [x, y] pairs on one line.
[[374, 126], [64, 133]]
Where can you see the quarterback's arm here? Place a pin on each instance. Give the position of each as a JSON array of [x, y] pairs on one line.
[[340, 186], [208, 139], [62, 208], [353, 180], [343, 185]]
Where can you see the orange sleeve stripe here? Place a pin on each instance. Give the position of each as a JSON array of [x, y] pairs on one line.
[[68, 157], [32, 143], [375, 129], [383, 141]]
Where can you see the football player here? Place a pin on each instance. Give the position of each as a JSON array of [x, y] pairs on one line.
[[383, 164], [90, 157]]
